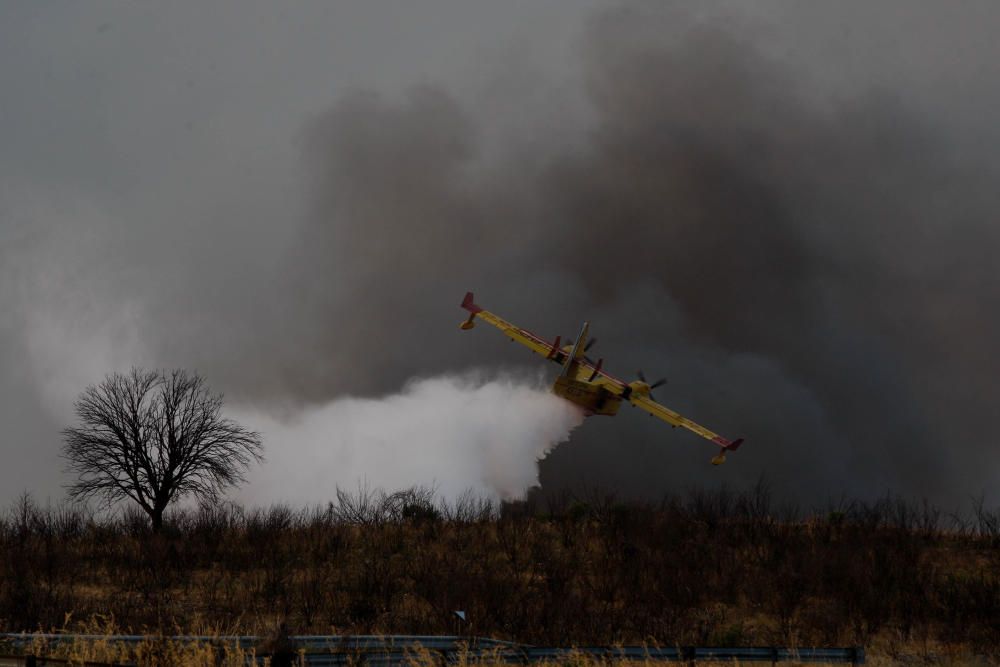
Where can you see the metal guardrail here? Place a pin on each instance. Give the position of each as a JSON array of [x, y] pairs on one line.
[[853, 655], [393, 650], [35, 661]]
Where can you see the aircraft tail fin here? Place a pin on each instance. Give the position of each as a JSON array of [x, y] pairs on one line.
[[577, 351]]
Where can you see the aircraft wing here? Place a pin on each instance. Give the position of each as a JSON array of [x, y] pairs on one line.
[[544, 348], [675, 419], [586, 370]]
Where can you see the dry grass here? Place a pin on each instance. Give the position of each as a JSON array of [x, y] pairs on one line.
[[100, 646], [711, 569]]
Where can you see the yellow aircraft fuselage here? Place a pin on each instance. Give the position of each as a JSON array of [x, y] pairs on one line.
[[591, 396], [586, 384]]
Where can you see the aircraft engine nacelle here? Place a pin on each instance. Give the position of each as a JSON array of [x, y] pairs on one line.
[[639, 388]]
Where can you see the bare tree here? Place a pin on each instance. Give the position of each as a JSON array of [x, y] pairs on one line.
[[154, 437]]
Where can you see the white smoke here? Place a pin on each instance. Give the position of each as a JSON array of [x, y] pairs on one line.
[[456, 433]]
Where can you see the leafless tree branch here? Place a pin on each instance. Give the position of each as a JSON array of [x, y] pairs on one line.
[[153, 437]]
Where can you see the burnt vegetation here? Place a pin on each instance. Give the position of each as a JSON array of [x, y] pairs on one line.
[[709, 568]]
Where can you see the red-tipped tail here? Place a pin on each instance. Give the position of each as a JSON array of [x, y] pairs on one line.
[[469, 304], [731, 445], [727, 446]]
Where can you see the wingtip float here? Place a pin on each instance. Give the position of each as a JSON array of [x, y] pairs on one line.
[[586, 383]]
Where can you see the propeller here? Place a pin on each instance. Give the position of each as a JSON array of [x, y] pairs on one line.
[[654, 385], [590, 344]]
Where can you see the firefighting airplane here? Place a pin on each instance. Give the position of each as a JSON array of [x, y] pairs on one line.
[[586, 383]]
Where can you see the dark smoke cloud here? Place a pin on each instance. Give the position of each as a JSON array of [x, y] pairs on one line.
[[791, 265], [811, 269]]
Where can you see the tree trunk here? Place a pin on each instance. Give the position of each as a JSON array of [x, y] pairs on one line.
[[156, 518]]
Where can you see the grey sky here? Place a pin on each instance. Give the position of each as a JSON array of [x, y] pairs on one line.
[[239, 187]]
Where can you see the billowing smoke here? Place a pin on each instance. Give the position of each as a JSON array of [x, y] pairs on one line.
[[809, 263], [455, 433], [790, 265]]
